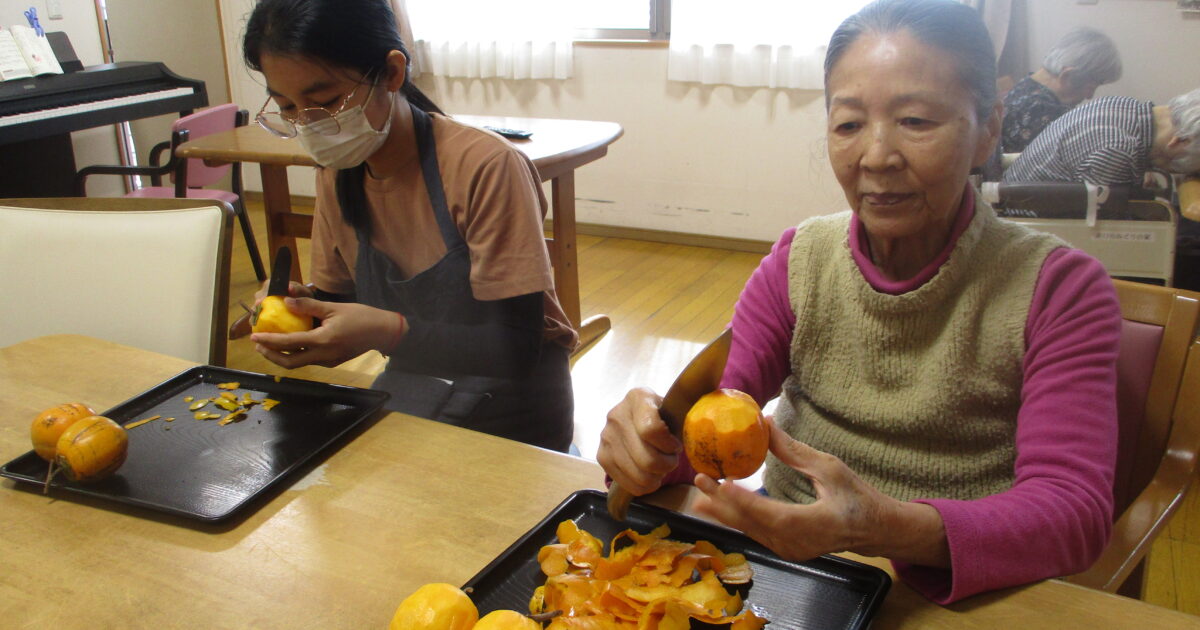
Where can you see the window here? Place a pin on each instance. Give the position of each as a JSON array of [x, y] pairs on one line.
[[622, 19]]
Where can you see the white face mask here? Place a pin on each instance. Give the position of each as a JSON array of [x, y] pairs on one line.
[[350, 146]]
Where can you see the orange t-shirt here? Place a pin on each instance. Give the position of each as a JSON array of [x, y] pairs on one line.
[[495, 199]]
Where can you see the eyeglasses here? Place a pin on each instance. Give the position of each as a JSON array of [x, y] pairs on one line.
[[319, 119]]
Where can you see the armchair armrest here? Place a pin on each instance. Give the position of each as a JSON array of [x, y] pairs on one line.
[[150, 171]]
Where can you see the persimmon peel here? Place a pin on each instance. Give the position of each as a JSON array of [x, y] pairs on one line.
[[644, 582]]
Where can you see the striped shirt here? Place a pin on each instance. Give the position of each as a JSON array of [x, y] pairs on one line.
[[1101, 142], [1104, 141]]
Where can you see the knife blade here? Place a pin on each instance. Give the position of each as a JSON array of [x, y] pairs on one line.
[[701, 376], [281, 272]]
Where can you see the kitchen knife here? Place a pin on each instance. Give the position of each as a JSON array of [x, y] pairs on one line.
[[701, 376]]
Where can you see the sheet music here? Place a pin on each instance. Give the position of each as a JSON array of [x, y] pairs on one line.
[[38, 53], [12, 62], [24, 54]]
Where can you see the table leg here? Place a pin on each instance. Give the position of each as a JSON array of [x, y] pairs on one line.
[[277, 201], [566, 270]]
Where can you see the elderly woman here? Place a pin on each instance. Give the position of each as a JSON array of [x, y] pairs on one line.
[[958, 420], [1114, 140], [1083, 60]]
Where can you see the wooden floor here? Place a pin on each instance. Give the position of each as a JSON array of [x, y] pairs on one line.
[[666, 302]]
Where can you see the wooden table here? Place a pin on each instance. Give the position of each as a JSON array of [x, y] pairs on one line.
[[557, 148], [398, 506]]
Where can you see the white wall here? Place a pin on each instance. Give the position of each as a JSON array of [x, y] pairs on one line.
[[735, 162], [739, 162], [1159, 44]]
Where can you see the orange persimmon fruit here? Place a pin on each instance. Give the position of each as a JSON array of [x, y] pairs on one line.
[[91, 449], [272, 316], [506, 620], [436, 606], [49, 425], [725, 435]]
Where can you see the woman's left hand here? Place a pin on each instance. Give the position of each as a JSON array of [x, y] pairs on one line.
[[346, 331], [848, 515]]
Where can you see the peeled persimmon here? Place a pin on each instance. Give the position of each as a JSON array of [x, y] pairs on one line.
[[725, 435], [436, 606], [49, 425], [273, 316], [91, 449], [506, 620]]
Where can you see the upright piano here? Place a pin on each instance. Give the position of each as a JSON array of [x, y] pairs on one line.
[[37, 116]]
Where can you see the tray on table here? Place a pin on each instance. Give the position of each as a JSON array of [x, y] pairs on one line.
[[199, 469], [825, 592]]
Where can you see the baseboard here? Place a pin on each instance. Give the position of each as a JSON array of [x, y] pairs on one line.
[[615, 231], [671, 238]]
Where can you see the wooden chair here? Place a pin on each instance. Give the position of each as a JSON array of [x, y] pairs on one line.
[[1158, 398], [149, 273], [191, 179]]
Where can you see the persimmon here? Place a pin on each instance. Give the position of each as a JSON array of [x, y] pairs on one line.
[[91, 449], [506, 620], [436, 606], [49, 425], [273, 316], [725, 435]]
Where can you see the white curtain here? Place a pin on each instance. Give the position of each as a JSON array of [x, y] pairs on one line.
[[750, 43], [514, 39]]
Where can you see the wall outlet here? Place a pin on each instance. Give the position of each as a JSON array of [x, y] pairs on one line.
[[54, 9]]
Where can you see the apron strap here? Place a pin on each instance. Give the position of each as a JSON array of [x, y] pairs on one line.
[[427, 150]]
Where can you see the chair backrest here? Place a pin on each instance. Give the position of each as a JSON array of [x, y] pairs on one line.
[[150, 273], [200, 124], [1158, 384]]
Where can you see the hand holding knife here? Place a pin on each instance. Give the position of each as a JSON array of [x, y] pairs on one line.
[[701, 376]]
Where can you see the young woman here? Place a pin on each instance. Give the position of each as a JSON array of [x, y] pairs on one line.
[[427, 237]]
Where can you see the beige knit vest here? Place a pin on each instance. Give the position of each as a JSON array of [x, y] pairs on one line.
[[917, 393]]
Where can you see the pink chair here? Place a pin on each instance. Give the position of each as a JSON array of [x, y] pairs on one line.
[[190, 177], [1158, 410]]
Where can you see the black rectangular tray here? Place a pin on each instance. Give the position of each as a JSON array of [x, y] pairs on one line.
[[825, 592], [200, 470]]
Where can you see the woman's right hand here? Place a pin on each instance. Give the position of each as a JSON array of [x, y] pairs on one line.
[[636, 448]]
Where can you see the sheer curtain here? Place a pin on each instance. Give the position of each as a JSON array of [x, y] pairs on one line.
[[767, 43], [514, 39]]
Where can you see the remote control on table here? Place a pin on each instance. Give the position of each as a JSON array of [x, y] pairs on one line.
[[519, 134]]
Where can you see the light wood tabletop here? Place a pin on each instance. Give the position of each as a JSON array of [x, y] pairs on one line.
[[557, 147], [406, 502]]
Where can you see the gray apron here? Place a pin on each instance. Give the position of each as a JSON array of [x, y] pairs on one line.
[[536, 409]]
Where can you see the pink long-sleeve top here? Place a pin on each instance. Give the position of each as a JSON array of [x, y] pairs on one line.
[[1057, 517]]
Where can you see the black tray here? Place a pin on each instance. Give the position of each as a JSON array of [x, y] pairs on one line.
[[201, 470], [826, 592]]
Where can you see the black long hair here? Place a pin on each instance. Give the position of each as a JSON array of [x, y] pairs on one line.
[[355, 34], [950, 26]]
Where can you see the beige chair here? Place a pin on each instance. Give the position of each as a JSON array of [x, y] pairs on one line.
[[1158, 397], [150, 273]]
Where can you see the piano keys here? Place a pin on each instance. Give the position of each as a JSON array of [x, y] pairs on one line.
[[38, 114]]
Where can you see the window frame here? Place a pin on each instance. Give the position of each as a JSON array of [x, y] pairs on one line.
[[660, 27]]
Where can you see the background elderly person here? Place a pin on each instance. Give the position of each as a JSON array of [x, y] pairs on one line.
[[1083, 60], [1114, 140], [954, 418]]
